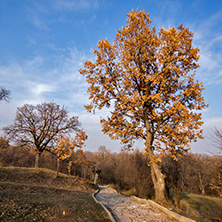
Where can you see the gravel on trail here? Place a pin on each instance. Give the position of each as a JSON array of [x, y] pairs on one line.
[[124, 209]]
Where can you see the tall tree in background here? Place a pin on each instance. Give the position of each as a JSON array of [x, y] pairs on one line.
[[4, 94], [39, 126], [145, 78]]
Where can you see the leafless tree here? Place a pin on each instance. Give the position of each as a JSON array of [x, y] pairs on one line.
[[216, 183], [4, 94], [39, 126], [216, 138]]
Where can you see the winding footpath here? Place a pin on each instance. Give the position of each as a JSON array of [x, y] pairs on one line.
[[124, 209]]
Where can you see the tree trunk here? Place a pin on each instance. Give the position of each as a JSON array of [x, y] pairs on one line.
[[37, 159], [84, 172], [156, 174], [158, 182], [177, 194], [96, 179], [167, 192], [70, 167], [98, 171], [58, 168], [201, 186]]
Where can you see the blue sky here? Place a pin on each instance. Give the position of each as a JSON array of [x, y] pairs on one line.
[[43, 43]]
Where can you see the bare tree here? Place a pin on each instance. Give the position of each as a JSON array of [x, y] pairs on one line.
[[216, 183], [4, 94], [39, 126], [216, 139]]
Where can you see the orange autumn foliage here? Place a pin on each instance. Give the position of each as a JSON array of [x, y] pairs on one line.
[[145, 74], [66, 146]]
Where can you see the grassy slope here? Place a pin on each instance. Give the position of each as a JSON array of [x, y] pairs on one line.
[[201, 208], [28, 194]]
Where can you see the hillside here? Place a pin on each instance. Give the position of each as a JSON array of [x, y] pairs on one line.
[[28, 194]]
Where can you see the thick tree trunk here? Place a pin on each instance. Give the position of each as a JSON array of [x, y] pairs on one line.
[[37, 159], [158, 182], [157, 175]]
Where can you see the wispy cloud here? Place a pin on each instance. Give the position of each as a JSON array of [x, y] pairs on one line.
[[38, 22], [209, 40], [36, 16], [43, 14], [35, 81], [75, 5]]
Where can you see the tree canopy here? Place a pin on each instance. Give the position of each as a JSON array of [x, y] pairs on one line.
[[147, 79]]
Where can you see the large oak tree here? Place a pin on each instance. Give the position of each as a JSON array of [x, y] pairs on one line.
[[147, 79], [40, 126]]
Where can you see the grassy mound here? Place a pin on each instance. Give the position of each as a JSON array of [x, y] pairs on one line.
[[28, 194], [44, 177], [201, 208]]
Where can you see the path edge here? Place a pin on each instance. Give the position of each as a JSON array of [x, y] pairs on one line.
[[104, 207], [163, 209]]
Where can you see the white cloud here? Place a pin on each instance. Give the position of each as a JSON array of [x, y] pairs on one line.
[[40, 89]]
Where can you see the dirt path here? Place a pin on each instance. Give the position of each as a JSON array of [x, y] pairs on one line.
[[126, 210]]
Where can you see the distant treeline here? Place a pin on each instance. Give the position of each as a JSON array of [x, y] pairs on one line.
[[128, 172]]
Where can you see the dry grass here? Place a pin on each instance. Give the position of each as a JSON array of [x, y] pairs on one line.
[[42, 176], [28, 194], [201, 208]]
